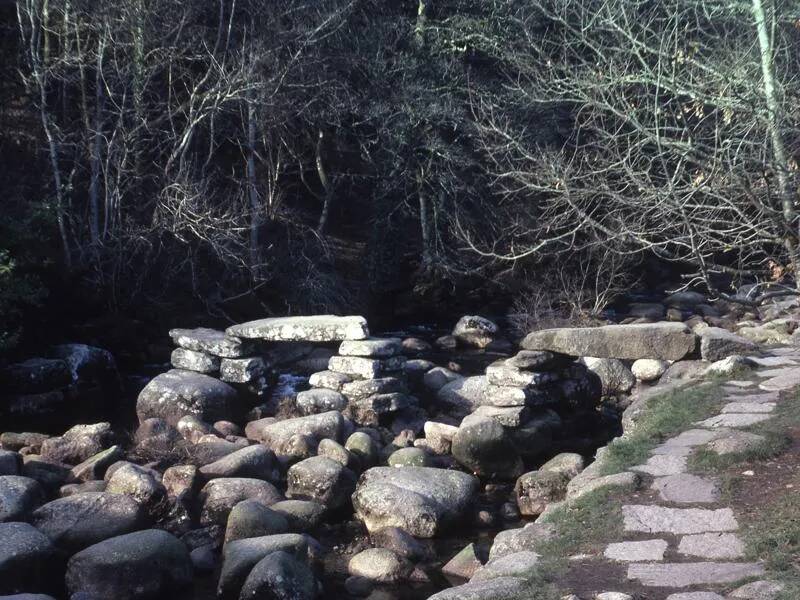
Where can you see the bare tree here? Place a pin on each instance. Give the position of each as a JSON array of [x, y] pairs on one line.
[[682, 132]]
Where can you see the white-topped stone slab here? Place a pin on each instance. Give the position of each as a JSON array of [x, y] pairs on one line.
[[734, 420], [686, 489], [315, 328], [365, 368], [661, 465], [695, 596], [210, 341], [677, 575], [678, 521], [749, 407], [666, 341], [713, 546], [648, 550]]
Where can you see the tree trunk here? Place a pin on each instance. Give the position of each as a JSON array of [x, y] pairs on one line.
[[786, 186], [94, 154], [252, 188], [327, 199], [422, 17]]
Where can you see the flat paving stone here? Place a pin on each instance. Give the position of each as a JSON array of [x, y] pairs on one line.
[[647, 550], [686, 489], [679, 521], [739, 383], [714, 546], [734, 420], [758, 590], [692, 437], [756, 398], [661, 465], [677, 575], [773, 361], [776, 372], [749, 407], [786, 381], [736, 441], [784, 351], [672, 450], [695, 596]]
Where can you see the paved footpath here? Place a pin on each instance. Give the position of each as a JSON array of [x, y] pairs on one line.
[[686, 539]]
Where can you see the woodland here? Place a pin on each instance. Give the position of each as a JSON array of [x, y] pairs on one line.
[[403, 158]]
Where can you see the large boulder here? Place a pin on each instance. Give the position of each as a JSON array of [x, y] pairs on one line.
[[138, 483], [475, 331], [482, 445], [177, 393], [250, 519], [210, 341], [649, 369], [615, 377], [665, 341], [302, 515], [10, 463], [280, 575], [320, 400], [240, 556], [379, 564], [316, 328], [78, 443], [537, 489], [500, 588], [420, 500], [26, 559], [219, 496], [143, 565], [35, 375], [32, 407], [95, 466], [321, 479], [81, 520], [275, 434], [87, 363], [18, 497], [717, 343], [257, 462], [462, 396]]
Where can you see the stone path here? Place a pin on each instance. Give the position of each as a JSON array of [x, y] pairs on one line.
[[694, 540]]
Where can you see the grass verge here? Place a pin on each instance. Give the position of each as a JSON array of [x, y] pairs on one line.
[[774, 537], [585, 525], [774, 431], [665, 415]]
